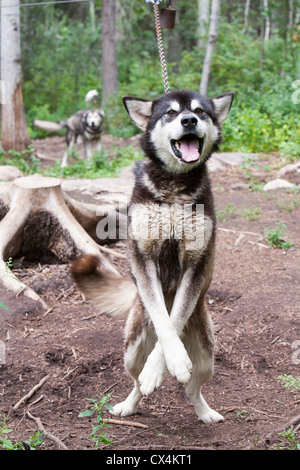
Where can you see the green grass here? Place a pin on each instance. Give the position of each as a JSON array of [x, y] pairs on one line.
[[227, 213], [101, 165], [252, 213]]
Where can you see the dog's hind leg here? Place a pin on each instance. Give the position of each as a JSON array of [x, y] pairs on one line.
[[87, 149], [70, 139], [198, 340], [139, 341], [98, 146]]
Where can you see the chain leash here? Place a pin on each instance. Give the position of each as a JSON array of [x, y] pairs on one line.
[[161, 48]]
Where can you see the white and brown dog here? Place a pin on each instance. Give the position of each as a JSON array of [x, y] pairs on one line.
[[171, 235], [88, 124]]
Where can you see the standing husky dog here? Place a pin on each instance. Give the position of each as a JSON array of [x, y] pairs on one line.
[[171, 239], [85, 123]]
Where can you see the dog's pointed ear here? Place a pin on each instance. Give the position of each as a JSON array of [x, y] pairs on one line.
[[139, 110], [222, 105]]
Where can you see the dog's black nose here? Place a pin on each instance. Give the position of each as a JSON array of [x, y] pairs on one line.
[[189, 121]]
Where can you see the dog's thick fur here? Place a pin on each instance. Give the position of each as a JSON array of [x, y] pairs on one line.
[[88, 124], [172, 251]]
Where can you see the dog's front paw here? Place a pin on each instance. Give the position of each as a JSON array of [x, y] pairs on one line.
[[210, 416], [178, 361], [124, 409], [152, 375]]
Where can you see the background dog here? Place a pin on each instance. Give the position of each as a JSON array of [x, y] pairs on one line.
[[88, 124], [171, 238]]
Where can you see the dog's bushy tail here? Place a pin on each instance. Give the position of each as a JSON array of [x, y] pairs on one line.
[[112, 294], [49, 126]]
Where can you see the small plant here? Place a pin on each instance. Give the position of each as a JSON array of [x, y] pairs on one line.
[[290, 382], [253, 213], [98, 435], [6, 444], [242, 416], [290, 442], [275, 237], [227, 213], [254, 184]]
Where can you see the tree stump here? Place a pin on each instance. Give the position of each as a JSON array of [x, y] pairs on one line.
[[39, 221]]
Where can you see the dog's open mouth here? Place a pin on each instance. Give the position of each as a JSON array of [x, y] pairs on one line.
[[188, 149]]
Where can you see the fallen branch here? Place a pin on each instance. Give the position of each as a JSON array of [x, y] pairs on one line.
[[30, 393], [258, 244], [127, 423], [239, 231], [46, 433], [242, 234]]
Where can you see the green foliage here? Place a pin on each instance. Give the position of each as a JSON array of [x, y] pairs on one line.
[[275, 237], [6, 444], [25, 160], [290, 382], [61, 61], [99, 166], [98, 434], [290, 440], [64, 66]]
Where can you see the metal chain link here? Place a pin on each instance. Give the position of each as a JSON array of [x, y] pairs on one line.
[[161, 48]]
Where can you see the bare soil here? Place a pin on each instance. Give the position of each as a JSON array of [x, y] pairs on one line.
[[254, 300]]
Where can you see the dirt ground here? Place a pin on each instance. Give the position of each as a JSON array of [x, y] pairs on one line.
[[254, 300]]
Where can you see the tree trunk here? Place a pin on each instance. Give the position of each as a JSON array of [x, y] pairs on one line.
[[262, 40], [246, 15], [213, 34], [109, 54], [267, 20], [203, 21], [291, 14], [92, 15], [14, 133], [39, 221]]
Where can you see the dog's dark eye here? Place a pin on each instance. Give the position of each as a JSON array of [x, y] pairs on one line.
[[171, 112], [198, 111]]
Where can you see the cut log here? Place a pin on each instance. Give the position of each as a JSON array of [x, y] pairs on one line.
[[39, 221]]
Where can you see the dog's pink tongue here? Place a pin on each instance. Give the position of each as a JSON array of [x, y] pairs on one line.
[[189, 151]]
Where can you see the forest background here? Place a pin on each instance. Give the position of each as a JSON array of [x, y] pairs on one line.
[[256, 56]]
